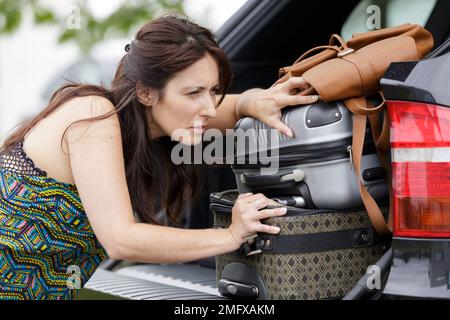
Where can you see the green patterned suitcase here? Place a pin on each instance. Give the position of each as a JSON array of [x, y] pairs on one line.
[[319, 254]]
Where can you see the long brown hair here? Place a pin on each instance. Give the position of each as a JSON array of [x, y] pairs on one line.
[[161, 48]]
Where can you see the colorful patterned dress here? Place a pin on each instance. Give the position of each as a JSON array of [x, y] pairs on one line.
[[48, 249]]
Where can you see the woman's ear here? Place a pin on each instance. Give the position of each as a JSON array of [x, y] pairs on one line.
[[147, 96]]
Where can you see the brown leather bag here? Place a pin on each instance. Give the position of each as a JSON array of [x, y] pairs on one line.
[[351, 71]]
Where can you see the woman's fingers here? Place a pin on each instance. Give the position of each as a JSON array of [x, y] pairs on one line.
[[296, 82], [257, 198], [253, 197], [281, 127], [244, 195], [250, 198], [269, 213], [308, 92], [264, 228], [259, 204], [273, 203], [291, 100]]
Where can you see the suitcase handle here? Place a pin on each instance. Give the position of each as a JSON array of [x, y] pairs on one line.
[[265, 180]]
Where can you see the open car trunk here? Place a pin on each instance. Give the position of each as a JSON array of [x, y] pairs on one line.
[[261, 37]]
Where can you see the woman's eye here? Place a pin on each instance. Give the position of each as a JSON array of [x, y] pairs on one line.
[[193, 93]]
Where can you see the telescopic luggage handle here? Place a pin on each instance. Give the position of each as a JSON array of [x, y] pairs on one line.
[[267, 180]]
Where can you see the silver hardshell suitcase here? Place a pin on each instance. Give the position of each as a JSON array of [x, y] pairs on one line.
[[312, 170]]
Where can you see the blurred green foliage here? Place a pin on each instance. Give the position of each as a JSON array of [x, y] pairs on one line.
[[78, 24]]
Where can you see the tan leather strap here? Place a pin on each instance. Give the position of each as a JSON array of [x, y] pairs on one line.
[[307, 53], [380, 134], [362, 108], [359, 130], [335, 37], [383, 143], [381, 137], [369, 80], [377, 133], [300, 66], [298, 69]]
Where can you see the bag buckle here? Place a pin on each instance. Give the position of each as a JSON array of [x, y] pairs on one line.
[[345, 52], [250, 249]]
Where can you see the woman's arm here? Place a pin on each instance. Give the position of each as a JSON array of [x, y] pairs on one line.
[[160, 244], [262, 104], [227, 115], [96, 157], [157, 244], [232, 108]]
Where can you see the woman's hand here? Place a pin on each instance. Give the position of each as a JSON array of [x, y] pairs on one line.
[[266, 105], [247, 213]]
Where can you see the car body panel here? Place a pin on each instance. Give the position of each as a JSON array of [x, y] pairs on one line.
[[420, 269]]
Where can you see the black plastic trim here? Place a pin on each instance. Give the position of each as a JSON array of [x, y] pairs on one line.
[[399, 91], [442, 49], [322, 114], [400, 71]]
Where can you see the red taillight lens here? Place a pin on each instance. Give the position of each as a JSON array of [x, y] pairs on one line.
[[416, 125], [420, 141]]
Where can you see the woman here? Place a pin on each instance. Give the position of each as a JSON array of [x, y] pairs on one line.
[[74, 191]]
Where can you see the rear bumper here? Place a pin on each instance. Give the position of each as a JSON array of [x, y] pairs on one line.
[[157, 282], [420, 269]]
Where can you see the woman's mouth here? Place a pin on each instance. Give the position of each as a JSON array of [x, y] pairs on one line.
[[197, 130], [199, 127]]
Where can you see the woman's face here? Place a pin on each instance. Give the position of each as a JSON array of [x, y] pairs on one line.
[[187, 104]]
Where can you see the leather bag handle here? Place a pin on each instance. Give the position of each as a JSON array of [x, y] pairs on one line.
[[307, 53]]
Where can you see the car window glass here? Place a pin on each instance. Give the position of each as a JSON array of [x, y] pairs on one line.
[[391, 13]]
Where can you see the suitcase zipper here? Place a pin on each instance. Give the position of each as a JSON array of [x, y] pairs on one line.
[[330, 154]]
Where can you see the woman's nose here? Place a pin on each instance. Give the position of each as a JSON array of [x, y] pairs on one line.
[[210, 108]]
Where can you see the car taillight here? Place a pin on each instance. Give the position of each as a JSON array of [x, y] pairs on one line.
[[420, 141]]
